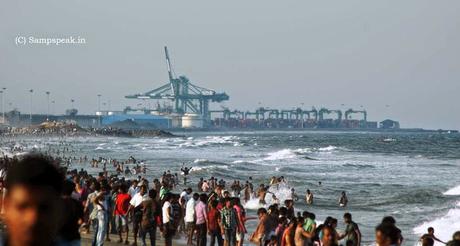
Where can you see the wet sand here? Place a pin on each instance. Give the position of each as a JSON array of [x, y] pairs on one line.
[[86, 240]]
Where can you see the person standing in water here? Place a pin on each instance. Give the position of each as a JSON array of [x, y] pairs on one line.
[[294, 196], [343, 201], [429, 238], [309, 197], [185, 171], [261, 193]]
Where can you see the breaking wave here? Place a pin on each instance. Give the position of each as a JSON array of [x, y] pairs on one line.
[[282, 192], [298, 153], [444, 226], [453, 192], [209, 141], [280, 155]]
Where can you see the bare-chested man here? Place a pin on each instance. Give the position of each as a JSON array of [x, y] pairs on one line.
[[261, 234], [289, 233], [261, 193]]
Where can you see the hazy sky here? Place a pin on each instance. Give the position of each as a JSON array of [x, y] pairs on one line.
[[404, 54]]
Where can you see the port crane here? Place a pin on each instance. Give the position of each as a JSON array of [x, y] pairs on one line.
[[351, 111], [312, 111], [324, 111], [187, 97], [273, 112]]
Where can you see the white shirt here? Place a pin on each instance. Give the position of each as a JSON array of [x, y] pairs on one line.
[[137, 199], [185, 196], [190, 211], [166, 216], [89, 200], [132, 191]]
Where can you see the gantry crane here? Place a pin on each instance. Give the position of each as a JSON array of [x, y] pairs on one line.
[[187, 97], [351, 111], [312, 111], [324, 111]]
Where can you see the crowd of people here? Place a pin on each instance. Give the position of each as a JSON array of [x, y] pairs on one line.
[[113, 208]]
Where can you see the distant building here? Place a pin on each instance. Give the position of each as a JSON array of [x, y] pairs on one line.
[[389, 124]]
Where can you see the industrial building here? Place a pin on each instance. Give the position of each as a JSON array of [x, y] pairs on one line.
[[389, 124]]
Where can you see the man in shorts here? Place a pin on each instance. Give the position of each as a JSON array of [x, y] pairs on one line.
[[135, 207], [190, 217], [121, 210]]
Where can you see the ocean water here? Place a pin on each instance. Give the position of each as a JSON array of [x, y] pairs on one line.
[[413, 177]]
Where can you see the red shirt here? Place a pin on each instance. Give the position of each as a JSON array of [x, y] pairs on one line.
[[220, 206], [213, 216], [122, 204]]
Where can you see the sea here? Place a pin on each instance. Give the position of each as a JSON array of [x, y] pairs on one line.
[[414, 177]]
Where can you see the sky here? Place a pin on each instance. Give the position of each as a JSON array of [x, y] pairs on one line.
[[397, 59]]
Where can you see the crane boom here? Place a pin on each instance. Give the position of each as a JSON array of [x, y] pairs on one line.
[[168, 63], [171, 78]]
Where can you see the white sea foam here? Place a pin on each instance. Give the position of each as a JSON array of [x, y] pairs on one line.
[[453, 192], [297, 153], [210, 167], [303, 151], [200, 160], [328, 148], [280, 155], [444, 226], [210, 140], [282, 192], [197, 169], [389, 140]]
